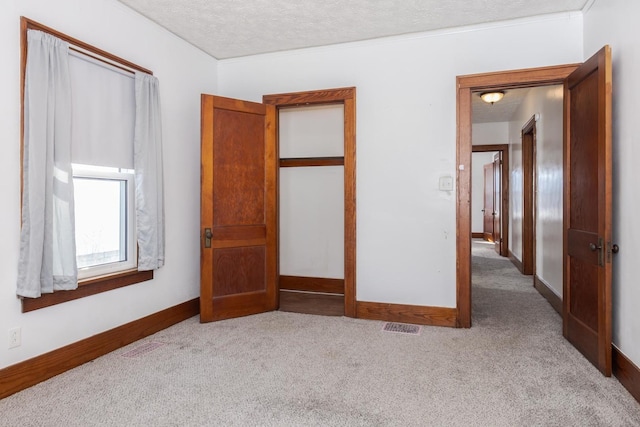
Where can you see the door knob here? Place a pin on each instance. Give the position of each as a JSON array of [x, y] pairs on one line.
[[615, 249], [594, 248]]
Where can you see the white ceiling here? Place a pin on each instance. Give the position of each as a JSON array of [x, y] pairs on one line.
[[502, 111], [232, 28]]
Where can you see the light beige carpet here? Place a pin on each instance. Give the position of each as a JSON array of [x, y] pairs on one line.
[[513, 368]]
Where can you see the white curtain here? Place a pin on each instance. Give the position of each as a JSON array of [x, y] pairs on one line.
[[47, 240], [147, 159]]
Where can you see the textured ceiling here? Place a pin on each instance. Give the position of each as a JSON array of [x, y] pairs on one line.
[[232, 28], [501, 111]]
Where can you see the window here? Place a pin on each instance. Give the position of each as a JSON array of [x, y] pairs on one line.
[[103, 173], [105, 220]]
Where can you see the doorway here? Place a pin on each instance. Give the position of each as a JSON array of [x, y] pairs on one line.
[[310, 290], [499, 218], [466, 86]]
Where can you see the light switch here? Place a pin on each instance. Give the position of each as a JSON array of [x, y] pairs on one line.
[[445, 183]]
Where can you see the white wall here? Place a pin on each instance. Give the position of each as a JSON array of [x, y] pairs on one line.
[[406, 135], [184, 72], [311, 199], [490, 133], [478, 160], [614, 22], [547, 103]]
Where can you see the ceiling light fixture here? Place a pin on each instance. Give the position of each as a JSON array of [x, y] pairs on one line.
[[492, 97]]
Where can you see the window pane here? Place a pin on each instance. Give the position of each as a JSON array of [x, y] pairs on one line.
[[100, 221]]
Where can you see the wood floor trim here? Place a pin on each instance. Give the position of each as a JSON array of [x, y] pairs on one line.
[[515, 261], [545, 290], [25, 374], [311, 284], [477, 235], [626, 372], [421, 315]]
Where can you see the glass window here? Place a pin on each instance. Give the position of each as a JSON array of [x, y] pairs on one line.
[[104, 219]]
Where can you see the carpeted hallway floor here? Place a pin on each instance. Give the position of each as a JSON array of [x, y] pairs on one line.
[[513, 368]]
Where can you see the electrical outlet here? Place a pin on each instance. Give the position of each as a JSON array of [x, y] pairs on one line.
[[15, 337]]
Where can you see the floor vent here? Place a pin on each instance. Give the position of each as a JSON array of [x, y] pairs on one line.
[[142, 349], [402, 328]]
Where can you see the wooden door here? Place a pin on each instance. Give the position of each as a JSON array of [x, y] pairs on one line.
[[487, 212], [497, 205], [587, 210], [238, 209]]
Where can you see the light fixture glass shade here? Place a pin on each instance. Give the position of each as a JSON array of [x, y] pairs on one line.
[[491, 97]]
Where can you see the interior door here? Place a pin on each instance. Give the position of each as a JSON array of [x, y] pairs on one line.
[[238, 208], [487, 212], [587, 210], [497, 202]]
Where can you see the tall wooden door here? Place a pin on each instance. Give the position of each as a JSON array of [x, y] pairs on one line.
[[238, 209], [488, 211], [587, 210], [497, 202]]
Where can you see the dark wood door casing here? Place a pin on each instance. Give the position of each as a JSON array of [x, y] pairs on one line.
[[466, 85], [347, 97], [488, 210], [497, 197]]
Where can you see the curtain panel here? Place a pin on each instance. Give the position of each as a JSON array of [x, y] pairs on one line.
[[47, 241], [148, 165]]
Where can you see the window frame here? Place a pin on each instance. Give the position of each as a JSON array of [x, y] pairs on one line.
[[93, 285]]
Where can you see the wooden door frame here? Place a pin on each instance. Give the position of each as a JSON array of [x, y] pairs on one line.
[[466, 85], [347, 97], [529, 198], [504, 190]]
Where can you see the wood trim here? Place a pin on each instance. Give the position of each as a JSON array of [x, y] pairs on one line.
[[87, 288], [521, 78], [325, 96], [416, 314], [477, 235], [346, 96], [28, 24], [545, 290], [626, 372], [40, 368], [463, 206], [311, 161], [311, 284], [504, 207], [350, 203], [465, 86], [312, 303], [516, 262], [529, 180]]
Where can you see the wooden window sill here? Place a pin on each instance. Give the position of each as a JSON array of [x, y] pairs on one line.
[[87, 287]]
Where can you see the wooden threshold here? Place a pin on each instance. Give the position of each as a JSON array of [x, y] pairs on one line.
[[626, 372], [312, 303], [421, 315], [545, 290], [25, 374], [311, 161]]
